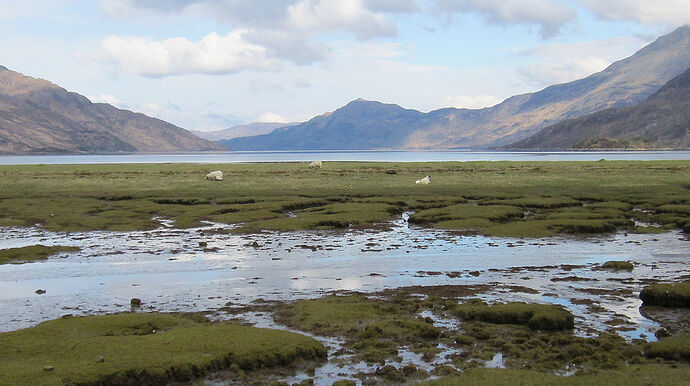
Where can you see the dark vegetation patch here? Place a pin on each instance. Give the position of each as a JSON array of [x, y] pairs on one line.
[[32, 253], [618, 265], [142, 348], [672, 348], [535, 316], [666, 295]]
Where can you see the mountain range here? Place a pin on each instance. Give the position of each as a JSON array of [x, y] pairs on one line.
[[37, 116], [365, 124], [245, 130], [661, 121]]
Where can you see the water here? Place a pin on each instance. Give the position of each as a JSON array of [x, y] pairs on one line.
[[381, 156], [170, 271]]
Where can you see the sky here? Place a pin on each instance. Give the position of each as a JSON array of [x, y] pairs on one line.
[[212, 64]]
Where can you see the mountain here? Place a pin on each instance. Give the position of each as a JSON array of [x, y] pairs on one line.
[[249, 129], [662, 121], [37, 116], [372, 125]]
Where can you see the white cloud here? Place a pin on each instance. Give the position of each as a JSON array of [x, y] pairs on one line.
[[272, 117], [549, 15], [393, 6], [213, 54], [105, 98], [476, 101], [565, 62], [330, 15], [673, 12], [561, 71]]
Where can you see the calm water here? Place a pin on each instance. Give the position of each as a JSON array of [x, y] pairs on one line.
[[388, 156]]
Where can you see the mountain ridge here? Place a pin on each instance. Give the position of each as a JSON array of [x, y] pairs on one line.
[[661, 121], [623, 83], [37, 116]]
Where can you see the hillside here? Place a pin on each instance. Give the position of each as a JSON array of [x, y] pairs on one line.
[[373, 125], [249, 129], [662, 121], [37, 116]]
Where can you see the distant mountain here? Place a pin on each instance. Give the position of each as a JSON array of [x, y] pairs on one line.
[[37, 116], [372, 125], [662, 121], [249, 129]]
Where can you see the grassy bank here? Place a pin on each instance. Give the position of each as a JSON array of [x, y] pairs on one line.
[[523, 199], [32, 253], [147, 348]]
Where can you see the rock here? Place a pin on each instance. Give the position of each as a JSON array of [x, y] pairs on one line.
[[391, 171], [40, 291], [135, 303], [48, 368], [100, 360]]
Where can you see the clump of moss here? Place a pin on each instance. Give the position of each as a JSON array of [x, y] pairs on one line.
[[666, 295], [618, 265], [142, 348], [374, 328], [535, 316], [673, 348], [32, 253]]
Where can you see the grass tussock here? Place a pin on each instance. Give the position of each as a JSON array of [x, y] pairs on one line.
[[142, 348], [535, 316], [618, 265], [666, 295], [32, 253]]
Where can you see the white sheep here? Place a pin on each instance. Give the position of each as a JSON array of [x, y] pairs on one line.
[[215, 176], [424, 181], [316, 164]]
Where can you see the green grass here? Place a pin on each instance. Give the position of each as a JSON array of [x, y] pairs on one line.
[[666, 295], [32, 253], [142, 348], [374, 329], [648, 374], [673, 348], [522, 199], [618, 265], [535, 316]]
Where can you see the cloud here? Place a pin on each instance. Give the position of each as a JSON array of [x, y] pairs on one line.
[[213, 54], [272, 117], [393, 6], [549, 15], [126, 7], [332, 15], [564, 62], [561, 71], [671, 12], [105, 98], [476, 101]]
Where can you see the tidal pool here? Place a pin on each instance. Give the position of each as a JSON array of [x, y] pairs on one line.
[[207, 268]]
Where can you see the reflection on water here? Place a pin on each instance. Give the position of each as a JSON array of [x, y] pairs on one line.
[[171, 271], [368, 155]]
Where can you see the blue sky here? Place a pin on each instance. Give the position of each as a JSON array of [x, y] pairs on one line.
[[210, 64]]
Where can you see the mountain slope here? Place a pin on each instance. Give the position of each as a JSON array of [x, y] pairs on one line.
[[662, 121], [360, 124], [367, 126], [249, 129], [38, 116]]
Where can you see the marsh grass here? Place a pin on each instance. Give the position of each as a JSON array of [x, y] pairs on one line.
[[142, 348], [522, 199], [535, 316], [32, 253], [666, 295]]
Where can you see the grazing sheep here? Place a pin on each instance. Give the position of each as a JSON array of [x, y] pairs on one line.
[[316, 164], [424, 181], [215, 176]]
